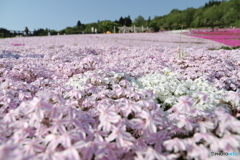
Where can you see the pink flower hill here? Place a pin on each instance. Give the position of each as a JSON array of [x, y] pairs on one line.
[[230, 37]]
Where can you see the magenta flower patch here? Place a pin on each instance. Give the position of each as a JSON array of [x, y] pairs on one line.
[[17, 44], [230, 37]]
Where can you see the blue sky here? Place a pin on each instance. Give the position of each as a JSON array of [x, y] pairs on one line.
[[59, 14]]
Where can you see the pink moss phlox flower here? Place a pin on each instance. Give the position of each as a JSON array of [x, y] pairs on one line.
[[150, 121], [184, 104], [147, 104], [229, 141], [10, 117], [108, 150], [100, 149], [32, 146], [128, 107], [185, 122], [205, 126], [107, 116], [76, 94], [198, 114], [227, 123], [24, 96], [87, 149], [124, 83], [137, 96], [120, 91], [152, 154], [10, 151], [8, 103], [203, 96], [119, 133], [70, 153], [214, 145], [97, 135], [234, 97], [52, 141], [198, 151], [175, 144], [41, 130], [83, 121], [233, 126], [136, 123], [90, 63], [58, 124], [24, 129], [206, 138], [37, 108], [157, 140]]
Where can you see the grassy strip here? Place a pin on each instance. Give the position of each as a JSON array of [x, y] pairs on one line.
[[225, 48]]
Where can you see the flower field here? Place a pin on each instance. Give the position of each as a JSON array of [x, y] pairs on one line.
[[118, 96], [229, 37]]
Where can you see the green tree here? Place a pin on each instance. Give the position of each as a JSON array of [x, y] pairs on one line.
[[212, 16], [53, 32], [197, 20], [4, 33], [79, 24], [128, 21], [106, 25], [187, 17], [121, 21], [69, 30], [230, 17], [88, 28], [149, 21], [174, 19], [155, 23], [26, 30], [125, 21], [139, 21]]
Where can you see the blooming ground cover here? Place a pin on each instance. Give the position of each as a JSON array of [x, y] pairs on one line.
[[118, 96], [230, 37]]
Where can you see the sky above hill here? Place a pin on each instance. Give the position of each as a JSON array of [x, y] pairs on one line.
[[59, 14]]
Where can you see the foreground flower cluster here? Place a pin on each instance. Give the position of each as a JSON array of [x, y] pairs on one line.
[[63, 99]]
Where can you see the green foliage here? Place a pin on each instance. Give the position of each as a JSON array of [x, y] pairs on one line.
[[106, 25], [140, 21], [212, 14], [212, 3], [237, 23], [124, 21], [230, 48], [154, 25], [225, 48], [79, 24], [4, 33], [53, 32]]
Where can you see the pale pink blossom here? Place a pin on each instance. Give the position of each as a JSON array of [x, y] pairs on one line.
[[120, 135], [175, 144]]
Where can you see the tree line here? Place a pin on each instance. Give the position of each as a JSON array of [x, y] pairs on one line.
[[214, 13]]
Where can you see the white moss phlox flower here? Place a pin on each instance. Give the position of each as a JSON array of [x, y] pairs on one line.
[[167, 89]]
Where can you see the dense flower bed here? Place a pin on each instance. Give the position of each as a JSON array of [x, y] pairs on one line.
[[120, 96]]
